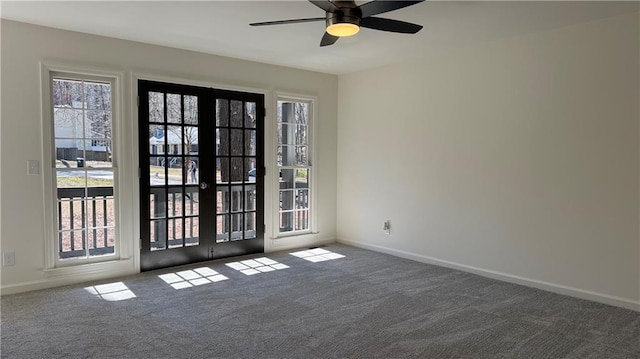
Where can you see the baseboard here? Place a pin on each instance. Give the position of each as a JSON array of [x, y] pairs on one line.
[[294, 242], [550, 287], [60, 281], [109, 270]]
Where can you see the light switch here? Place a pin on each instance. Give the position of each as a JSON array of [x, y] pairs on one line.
[[33, 167]]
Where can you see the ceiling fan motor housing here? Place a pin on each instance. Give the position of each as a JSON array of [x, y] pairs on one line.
[[348, 12]]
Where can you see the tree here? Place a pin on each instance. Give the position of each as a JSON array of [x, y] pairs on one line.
[[82, 110]]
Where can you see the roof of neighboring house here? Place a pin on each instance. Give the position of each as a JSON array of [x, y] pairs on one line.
[[173, 138]]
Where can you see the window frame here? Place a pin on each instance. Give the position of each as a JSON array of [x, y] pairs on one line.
[[50, 71], [312, 166]]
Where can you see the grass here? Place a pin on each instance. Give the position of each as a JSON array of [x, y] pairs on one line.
[[71, 182], [173, 172]]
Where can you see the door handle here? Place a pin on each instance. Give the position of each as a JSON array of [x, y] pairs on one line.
[[204, 185]]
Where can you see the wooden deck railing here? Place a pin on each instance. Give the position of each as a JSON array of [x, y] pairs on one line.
[[85, 221]]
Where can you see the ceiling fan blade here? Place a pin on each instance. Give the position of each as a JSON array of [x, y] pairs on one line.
[[378, 7], [325, 5], [328, 39], [292, 21], [378, 23]]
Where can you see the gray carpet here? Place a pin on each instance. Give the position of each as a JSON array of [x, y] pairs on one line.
[[365, 305]]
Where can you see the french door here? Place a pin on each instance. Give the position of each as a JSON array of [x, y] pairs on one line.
[[201, 174]]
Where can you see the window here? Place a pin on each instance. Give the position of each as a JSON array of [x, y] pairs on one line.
[[294, 165], [84, 173]]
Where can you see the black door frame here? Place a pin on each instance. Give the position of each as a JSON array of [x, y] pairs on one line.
[[207, 248]]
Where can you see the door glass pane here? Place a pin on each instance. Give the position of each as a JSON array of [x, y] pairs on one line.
[[250, 225], [192, 201], [156, 139], [236, 226], [156, 107], [157, 175], [193, 173], [236, 113], [222, 113], [236, 142], [250, 115], [236, 199], [175, 232], [175, 203], [174, 108], [251, 171], [237, 171], [158, 235], [250, 143], [190, 140], [250, 198], [222, 200], [191, 110], [222, 170], [192, 231], [157, 204], [174, 140], [222, 142], [222, 228], [176, 167], [175, 170]]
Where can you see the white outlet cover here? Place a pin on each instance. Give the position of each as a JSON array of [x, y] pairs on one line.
[[33, 167], [9, 259]]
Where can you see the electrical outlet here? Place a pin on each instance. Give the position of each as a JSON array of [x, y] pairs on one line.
[[9, 259], [387, 227]]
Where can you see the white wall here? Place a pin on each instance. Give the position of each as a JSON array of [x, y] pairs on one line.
[[24, 46], [516, 159]]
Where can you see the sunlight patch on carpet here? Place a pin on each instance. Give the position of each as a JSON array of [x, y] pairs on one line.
[[192, 277], [257, 265], [111, 292], [317, 255]]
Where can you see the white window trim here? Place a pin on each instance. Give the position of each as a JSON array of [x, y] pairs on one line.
[[122, 259], [274, 174]]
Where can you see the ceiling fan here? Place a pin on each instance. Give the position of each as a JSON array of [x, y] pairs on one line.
[[344, 18]]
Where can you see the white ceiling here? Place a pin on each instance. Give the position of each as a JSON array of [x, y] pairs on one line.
[[221, 27]]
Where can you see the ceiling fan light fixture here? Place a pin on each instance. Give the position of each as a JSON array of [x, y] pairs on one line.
[[343, 29]]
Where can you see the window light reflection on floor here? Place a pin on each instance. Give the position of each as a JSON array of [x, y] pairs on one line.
[[192, 277], [257, 265], [317, 255], [111, 292]]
